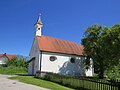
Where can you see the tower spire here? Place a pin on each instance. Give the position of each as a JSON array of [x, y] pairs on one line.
[[39, 21], [38, 25]]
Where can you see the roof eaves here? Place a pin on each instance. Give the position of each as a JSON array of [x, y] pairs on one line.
[[61, 53]]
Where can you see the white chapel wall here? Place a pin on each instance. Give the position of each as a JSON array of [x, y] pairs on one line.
[[62, 65], [34, 53], [90, 71]]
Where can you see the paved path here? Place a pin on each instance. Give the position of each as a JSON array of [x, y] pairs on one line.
[[7, 84]]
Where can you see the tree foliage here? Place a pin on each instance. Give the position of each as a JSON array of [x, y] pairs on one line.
[[18, 62], [113, 72], [102, 45], [111, 41]]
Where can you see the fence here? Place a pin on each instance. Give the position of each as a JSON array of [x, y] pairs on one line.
[[81, 83], [91, 84]]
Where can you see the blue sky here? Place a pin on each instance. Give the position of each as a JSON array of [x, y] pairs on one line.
[[64, 19]]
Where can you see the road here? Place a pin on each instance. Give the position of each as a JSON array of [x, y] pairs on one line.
[[7, 84]]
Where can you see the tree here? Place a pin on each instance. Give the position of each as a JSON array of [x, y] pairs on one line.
[[92, 47], [18, 62], [113, 72], [111, 41], [100, 44]]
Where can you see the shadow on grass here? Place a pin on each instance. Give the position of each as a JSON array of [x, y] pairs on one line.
[[80, 88], [23, 75]]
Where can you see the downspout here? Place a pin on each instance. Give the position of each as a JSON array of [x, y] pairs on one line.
[[40, 58]]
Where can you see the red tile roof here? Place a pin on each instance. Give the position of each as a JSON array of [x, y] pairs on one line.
[[51, 44], [10, 56]]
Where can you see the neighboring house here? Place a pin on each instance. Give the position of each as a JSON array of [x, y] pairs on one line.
[[54, 55], [4, 57]]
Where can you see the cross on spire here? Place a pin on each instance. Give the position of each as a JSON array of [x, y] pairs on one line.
[[40, 15]]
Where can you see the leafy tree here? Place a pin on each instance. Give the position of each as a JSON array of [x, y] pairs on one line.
[[18, 62], [111, 41], [113, 72], [102, 45]]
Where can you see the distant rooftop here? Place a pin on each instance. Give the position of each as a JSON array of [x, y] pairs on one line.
[[10, 56]]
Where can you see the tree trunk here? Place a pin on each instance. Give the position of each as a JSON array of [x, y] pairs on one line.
[[101, 73]]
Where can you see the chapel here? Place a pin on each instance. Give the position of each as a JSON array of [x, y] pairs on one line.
[[49, 54]]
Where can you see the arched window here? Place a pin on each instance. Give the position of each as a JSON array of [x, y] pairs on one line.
[[53, 58]]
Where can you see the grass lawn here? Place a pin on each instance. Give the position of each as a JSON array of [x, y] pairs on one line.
[[40, 82], [13, 70]]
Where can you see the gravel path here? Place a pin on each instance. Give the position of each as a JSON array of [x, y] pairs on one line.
[[7, 84]]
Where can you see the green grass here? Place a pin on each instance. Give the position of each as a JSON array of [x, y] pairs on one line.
[[12, 70], [79, 83], [40, 82]]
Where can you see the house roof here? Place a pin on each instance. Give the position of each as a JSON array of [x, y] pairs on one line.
[[10, 56], [50, 44]]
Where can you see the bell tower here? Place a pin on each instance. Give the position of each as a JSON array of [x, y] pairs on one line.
[[38, 25]]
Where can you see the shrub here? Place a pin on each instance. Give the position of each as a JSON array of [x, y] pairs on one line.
[[81, 83], [14, 66], [17, 62], [69, 81], [113, 72]]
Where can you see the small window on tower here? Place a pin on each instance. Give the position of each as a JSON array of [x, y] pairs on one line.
[[38, 28]]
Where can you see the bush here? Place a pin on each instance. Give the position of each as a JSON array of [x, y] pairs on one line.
[[113, 72], [69, 81], [17, 62], [80, 83], [14, 66]]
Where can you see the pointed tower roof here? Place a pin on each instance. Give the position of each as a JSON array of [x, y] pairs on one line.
[[39, 21]]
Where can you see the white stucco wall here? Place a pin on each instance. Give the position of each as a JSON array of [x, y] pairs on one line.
[[3, 60], [62, 65], [34, 53], [38, 31], [90, 71]]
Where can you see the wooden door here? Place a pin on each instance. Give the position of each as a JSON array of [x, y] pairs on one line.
[[33, 66]]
